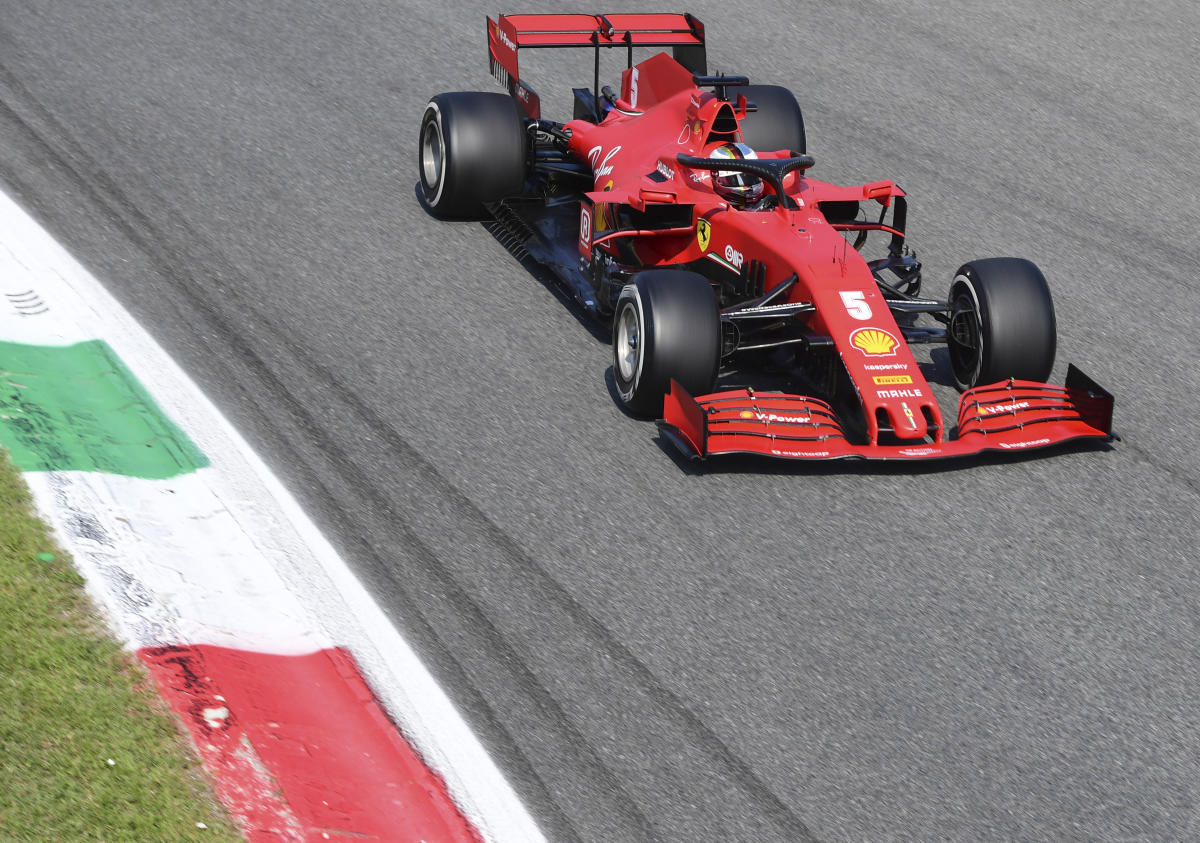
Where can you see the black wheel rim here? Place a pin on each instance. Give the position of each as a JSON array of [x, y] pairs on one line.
[[966, 350]]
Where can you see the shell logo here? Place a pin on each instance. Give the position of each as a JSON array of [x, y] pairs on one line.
[[874, 342], [746, 414]]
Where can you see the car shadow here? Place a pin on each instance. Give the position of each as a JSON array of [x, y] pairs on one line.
[[598, 330]]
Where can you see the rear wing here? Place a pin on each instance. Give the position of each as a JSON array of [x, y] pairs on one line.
[[508, 33]]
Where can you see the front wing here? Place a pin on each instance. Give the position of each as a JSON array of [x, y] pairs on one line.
[[1007, 416]]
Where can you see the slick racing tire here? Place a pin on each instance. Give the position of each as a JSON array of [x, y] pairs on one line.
[[665, 326], [1001, 323], [778, 122], [472, 150]]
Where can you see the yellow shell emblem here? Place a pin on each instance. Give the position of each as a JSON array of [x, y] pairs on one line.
[[703, 233], [874, 342], [746, 414]]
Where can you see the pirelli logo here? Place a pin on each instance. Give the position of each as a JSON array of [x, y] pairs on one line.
[[891, 380]]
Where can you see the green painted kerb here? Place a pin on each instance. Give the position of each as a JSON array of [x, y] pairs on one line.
[[78, 408]]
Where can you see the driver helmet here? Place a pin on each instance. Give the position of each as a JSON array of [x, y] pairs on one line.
[[739, 189]]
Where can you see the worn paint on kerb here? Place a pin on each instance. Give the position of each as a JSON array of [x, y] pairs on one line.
[[78, 407]]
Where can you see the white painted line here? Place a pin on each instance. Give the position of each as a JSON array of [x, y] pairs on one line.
[[272, 553]]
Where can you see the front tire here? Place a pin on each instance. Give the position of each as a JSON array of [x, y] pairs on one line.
[[472, 150], [1002, 323], [665, 326]]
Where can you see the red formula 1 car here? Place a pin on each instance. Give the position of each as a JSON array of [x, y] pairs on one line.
[[682, 210]]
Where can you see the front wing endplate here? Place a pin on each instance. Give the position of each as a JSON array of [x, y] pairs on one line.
[[1007, 416]]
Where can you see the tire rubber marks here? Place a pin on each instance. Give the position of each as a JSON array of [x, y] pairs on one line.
[[27, 303]]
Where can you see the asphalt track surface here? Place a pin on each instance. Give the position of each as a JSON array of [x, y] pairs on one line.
[[1002, 649]]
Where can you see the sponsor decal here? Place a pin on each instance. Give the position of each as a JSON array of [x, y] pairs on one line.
[[699, 178], [633, 87], [874, 342], [856, 305], [891, 380], [703, 233], [898, 393], [601, 168], [994, 409], [505, 40], [665, 170], [585, 228], [787, 306], [689, 128], [609, 186], [884, 367], [523, 94], [780, 452], [919, 452], [1031, 444], [601, 217], [908, 414], [734, 257], [694, 102], [767, 418]]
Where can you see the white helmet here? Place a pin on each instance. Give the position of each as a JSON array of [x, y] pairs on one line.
[[740, 189]]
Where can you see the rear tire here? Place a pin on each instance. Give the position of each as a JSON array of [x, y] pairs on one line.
[[1002, 323], [665, 325], [472, 150], [778, 123]]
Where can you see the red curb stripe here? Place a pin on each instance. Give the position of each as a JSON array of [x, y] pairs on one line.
[[300, 748]]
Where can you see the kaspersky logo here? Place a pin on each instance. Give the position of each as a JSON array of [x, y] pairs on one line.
[[874, 342]]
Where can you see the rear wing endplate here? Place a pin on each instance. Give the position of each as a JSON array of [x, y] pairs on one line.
[[508, 33]]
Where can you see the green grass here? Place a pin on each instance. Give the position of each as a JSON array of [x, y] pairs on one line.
[[71, 699]]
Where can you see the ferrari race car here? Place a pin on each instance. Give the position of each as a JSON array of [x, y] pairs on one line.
[[681, 211]]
